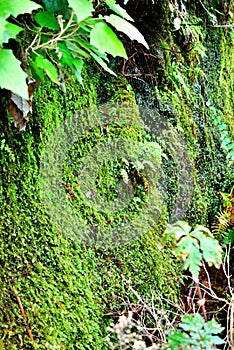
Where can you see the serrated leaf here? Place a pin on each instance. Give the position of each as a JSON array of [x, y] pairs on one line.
[[202, 229], [127, 28], [8, 31], [177, 338], [102, 63], [48, 68], [16, 7], [211, 251], [118, 10], [193, 257], [103, 37], [82, 8], [47, 19], [12, 76]]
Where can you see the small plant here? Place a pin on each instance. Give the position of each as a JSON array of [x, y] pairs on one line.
[[223, 227], [194, 246], [226, 143], [197, 334]]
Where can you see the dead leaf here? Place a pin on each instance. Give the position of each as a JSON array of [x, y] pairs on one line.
[[19, 108]]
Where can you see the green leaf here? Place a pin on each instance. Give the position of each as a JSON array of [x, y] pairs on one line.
[[225, 142], [201, 228], [87, 46], [82, 8], [54, 5], [222, 127], [127, 28], [211, 251], [105, 40], [66, 57], [73, 47], [224, 133], [8, 31], [47, 19], [118, 9], [102, 63], [78, 64], [48, 68], [188, 248], [16, 7], [12, 76], [198, 334], [36, 71], [192, 323]]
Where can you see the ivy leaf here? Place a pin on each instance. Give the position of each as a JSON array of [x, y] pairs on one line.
[[47, 19], [118, 9], [8, 31], [102, 63], [48, 68], [12, 76], [17, 7], [106, 40], [127, 28], [82, 8]]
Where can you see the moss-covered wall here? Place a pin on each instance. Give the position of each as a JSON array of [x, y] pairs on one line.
[[188, 78], [69, 291]]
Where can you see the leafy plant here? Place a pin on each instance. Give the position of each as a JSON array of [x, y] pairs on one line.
[[226, 143], [194, 246], [225, 221], [62, 34], [197, 334]]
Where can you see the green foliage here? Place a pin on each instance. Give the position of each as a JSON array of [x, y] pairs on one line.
[[223, 227], [62, 36], [225, 136], [197, 334], [12, 76], [194, 246], [100, 35]]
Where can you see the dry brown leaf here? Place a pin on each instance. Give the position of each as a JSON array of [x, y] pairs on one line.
[[19, 108]]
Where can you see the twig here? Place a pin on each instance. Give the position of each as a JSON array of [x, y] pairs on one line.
[[23, 314], [146, 307], [202, 301]]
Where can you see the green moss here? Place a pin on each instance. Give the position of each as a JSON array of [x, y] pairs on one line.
[[69, 290], [65, 287]]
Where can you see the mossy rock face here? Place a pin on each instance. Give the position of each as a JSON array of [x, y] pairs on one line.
[[69, 290]]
